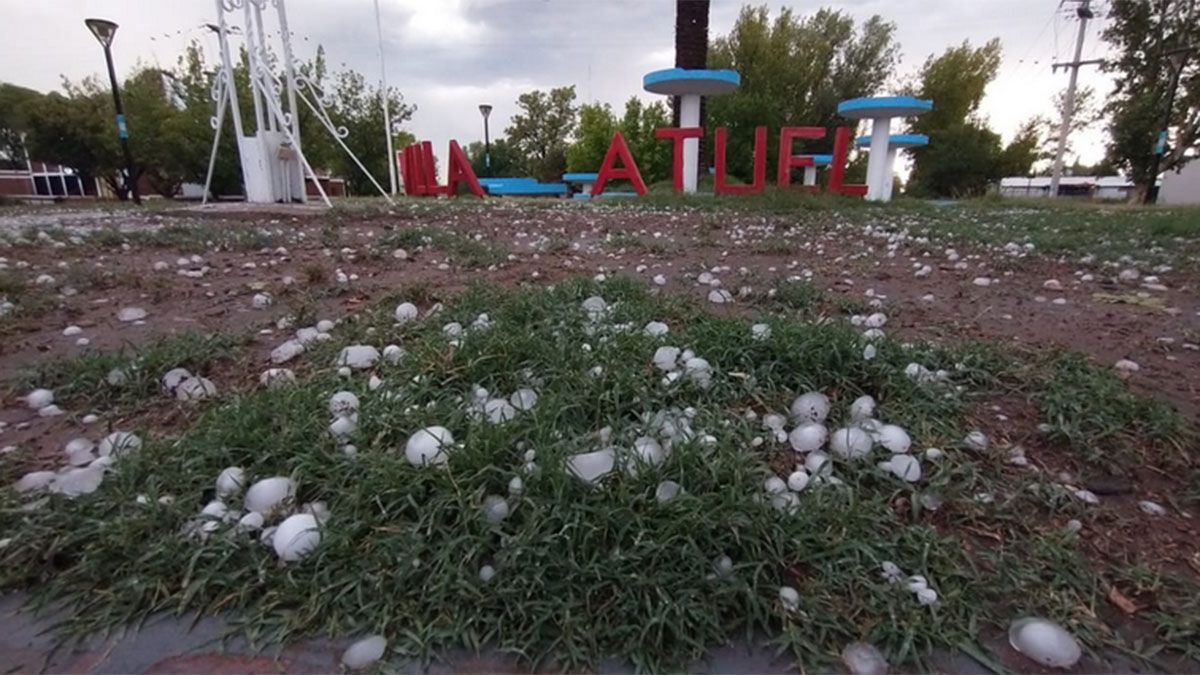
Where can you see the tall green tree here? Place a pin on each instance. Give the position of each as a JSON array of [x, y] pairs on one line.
[[542, 130], [1150, 38], [795, 70], [964, 157], [76, 129], [597, 123], [507, 160], [16, 104]]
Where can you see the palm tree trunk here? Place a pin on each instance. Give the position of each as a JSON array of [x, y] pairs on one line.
[[691, 51]]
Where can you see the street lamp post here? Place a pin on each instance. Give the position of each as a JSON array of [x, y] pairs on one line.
[[104, 31], [485, 110]]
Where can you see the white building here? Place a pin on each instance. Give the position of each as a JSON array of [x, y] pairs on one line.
[[1105, 188], [1182, 186]]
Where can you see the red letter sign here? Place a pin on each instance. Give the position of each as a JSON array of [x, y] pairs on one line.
[[787, 160], [760, 165], [460, 170], [627, 171], [677, 136], [837, 170]]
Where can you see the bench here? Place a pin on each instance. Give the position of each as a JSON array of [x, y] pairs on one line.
[[522, 187]]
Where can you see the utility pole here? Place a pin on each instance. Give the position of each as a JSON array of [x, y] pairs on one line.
[[1083, 12]]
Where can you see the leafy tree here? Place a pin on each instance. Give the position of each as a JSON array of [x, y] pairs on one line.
[[1144, 34], [354, 105], [506, 158], [542, 130], [964, 156], [77, 130], [16, 103], [597, 123], [795, 70], [1085, 113]]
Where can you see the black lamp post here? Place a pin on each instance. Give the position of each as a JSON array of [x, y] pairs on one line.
[[485, 110], [104, 31]]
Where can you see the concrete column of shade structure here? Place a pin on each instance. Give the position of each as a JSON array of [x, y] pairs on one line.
[[881, 110], [896, 143], [810, 172], [689, 85]]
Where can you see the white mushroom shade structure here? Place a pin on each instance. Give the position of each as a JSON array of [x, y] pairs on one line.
[[881, 110], [689, 85], [896, 143]]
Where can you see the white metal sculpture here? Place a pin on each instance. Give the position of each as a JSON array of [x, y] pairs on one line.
[[273, 163]]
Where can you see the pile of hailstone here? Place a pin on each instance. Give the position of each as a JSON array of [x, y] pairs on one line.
[[815, 445], [683, 364], [42, 400], [294, 347], [182, 385], [267, 508], [87, 464], [659, 433], [499, 410]]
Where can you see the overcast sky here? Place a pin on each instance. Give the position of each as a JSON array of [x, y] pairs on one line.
[[447, 56]]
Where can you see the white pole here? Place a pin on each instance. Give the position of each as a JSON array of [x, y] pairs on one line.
[[290, 72], [383, 95], [227, 71], [251, 49], [689, 116], [212, 158], [877, 167], [810, 175]]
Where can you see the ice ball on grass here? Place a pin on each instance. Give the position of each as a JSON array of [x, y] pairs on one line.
[[343, 428], [863, 408], [195, 389], [75, 482], [774, 485], [172, 379], [666, 358], [647, 451], [850, 443], [904, 467], [595, 307], [523, 399], [287, 351], [591, 466], [667, 490], [230, 481], [429, 447], [893, 438], [810, 407], [1045, 642], [405, 312], [699, 372], [797, 481], [364, 653], [393, 353], [808, 437], [343, 403], [276, 378], [495, 509], [655, 329], [789, 598], [498, 411], [516, 486], [358, 357], [719, 296], [760, 332], [815, 462], [296, 537], [250, 522], [117, 443], [487, 573], [79, 451], [977, 441], [33, 481], [270, 495], [723, 566], [864, 659], [39, 398]]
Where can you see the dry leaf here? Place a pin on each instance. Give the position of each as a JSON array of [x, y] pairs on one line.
[[1123, 603]]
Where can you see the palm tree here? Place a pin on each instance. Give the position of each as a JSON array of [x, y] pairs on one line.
[[691, 51]]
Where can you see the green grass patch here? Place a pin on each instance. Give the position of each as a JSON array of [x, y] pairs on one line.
[[584, 572], [84, 379], [463, 250]]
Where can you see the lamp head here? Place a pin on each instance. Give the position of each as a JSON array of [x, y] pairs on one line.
[[103, 29], [485, 110]]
